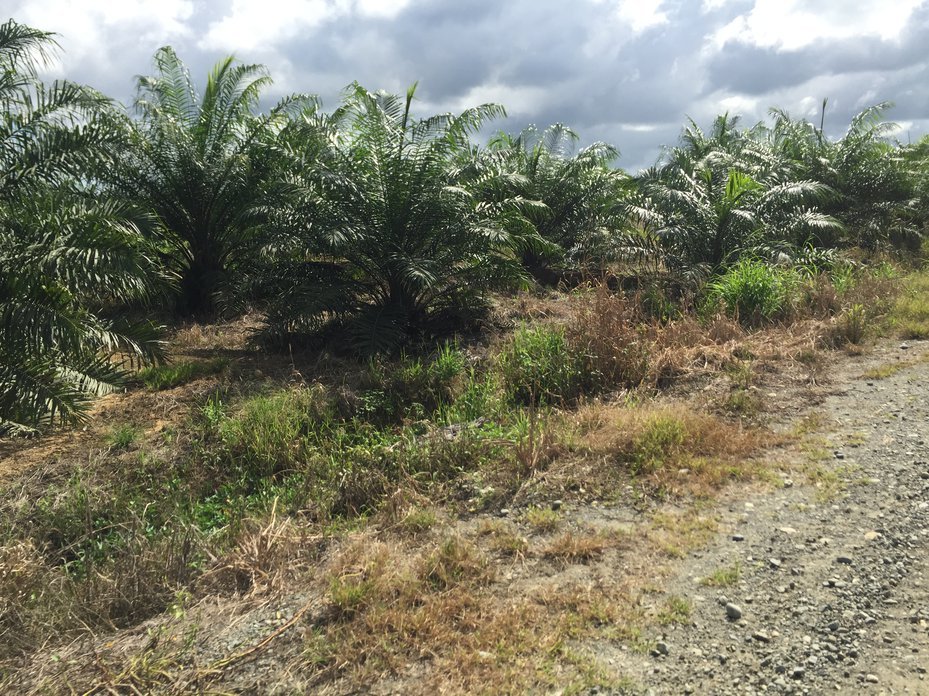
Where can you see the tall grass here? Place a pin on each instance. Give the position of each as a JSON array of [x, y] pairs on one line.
[[754, 291]]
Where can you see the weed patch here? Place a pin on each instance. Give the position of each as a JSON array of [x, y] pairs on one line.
[[723, 577], [123, 437], [673, 450], [754, 291], [173, 375], [538, 366], [909, 316]]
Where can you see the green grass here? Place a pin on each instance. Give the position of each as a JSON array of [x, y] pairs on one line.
[[123, 437], [658, 443], [909, 316], [676, 610], [539, 366], [754, 291], [413, 387], [172, 375], [890, 369], [723, 577], [543, 519]]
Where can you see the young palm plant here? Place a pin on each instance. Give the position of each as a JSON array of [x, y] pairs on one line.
[[67, 255], [203, 164], [388, 243], [705, 211], [579, 191], [875, 195]]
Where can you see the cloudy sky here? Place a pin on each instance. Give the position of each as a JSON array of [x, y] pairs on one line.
[[624, 71]]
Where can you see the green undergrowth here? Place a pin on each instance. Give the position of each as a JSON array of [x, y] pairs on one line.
[[121, 536], [909, 317], [156, 514], [754, 291], [172, 375]]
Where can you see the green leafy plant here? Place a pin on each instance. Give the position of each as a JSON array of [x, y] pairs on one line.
[[397, 244], [754, 291], [69, 256], [538, 365], [717, 198]]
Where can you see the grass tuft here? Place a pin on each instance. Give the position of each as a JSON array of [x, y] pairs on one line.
[[173, 375], [123, 437], [723, 577], [910, 313]]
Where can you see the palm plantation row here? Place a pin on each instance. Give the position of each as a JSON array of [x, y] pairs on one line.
[[369, 226]]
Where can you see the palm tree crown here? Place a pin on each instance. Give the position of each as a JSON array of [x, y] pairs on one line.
[[67, 254]]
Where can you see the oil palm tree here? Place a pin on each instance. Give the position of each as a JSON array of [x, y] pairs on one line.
[[578, 188], [874, 188], [706, 212], [202, 163], [392, 244], [67, 254]]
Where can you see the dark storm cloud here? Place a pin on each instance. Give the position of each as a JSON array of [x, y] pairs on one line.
[[619, 76]]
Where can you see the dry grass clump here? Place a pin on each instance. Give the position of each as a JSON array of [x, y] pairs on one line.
[[612, 334], [624, 347], [503, 538], [394, 606], [571, 547], [676, 533], [672, 449], [24, 584], [264, 554], [40, 597]]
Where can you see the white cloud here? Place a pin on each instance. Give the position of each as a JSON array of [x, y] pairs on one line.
[[738, 104], [261, 24], [642, 15], [794, 24], [519, 101], [254, 25], [86, 28], [711, 5], [639, 127]]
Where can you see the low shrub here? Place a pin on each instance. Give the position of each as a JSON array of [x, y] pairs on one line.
[[753, 291], [413, 387], [850, 326], [268, 434], [539, 366], [613, 338], [909, 314]]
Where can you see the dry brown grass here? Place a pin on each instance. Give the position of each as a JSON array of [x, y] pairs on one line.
[[676, 533], [572, 547], [612, 333], [671, 448], [264, 555], [503, 538]]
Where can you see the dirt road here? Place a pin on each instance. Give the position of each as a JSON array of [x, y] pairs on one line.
[[820, 588]]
